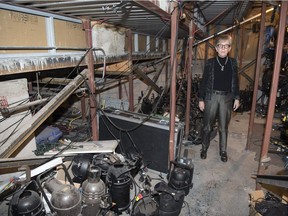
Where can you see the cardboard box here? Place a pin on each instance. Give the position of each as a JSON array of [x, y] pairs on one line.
[[255, 196]]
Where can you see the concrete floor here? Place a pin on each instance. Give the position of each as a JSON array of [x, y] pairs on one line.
[[222, 189]]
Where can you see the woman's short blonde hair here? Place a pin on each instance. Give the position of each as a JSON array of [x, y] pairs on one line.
[[223, 37]]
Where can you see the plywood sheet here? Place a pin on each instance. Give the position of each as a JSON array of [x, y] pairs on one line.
[[21, 29], [69, 34]]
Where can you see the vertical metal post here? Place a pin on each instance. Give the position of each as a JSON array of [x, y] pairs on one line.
[[174, 38], [274, 87], [256, 77], [130, 77], [91, 79], [189, 78], [120, 90]]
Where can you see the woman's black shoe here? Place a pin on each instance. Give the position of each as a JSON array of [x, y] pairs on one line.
[[224, 157], [203, 154]]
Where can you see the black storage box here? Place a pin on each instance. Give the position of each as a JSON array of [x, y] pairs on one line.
[[150, 138]]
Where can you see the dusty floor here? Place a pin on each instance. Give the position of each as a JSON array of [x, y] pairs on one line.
[[222, 189]]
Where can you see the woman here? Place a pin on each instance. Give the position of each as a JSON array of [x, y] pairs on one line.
[[218, 88]]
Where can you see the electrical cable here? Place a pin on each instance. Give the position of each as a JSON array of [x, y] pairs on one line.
[[185, 203], [27, 114], [143, 121], [2, 142], [76, 67]]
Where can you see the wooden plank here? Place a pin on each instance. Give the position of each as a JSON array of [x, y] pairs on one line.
[[120, 67]]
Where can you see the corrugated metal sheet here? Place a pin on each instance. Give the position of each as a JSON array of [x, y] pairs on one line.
[[231, 11]]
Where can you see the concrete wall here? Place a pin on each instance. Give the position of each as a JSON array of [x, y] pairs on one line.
[[13, 93], [110, 38]]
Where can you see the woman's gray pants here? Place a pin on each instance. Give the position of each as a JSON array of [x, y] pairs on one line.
[[219, 106]]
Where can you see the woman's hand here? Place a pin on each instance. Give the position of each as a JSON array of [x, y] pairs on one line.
[[236, 105], [201, 105]]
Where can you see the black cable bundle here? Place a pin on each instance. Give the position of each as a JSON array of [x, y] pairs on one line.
[[271, 206]]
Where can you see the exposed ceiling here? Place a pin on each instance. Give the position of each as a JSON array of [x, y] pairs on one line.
[[223, 12], [144, 16]]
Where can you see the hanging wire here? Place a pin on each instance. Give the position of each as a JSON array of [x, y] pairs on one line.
[[143, 120], [94, 98], [38, 96], [2, 142]]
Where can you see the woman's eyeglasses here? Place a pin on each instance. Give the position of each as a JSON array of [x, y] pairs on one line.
[[223, 46]]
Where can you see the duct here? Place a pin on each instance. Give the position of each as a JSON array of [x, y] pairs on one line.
[[42, 115]]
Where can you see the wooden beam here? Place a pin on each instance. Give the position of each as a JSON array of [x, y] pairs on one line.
[[22, 134], [121, 67], [147, 80]]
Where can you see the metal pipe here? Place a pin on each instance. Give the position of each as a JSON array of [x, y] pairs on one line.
[[256, 77], [274, 86], [158, 61], [7, 111], [230, 28]]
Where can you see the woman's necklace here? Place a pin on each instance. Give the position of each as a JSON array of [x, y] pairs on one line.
[[222, 66]]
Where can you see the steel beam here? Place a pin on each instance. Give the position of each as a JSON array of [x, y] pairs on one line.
[[276, 180], [256, 76], [274, 86]]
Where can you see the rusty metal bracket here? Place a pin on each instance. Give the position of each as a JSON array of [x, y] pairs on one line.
[[28, 175]]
